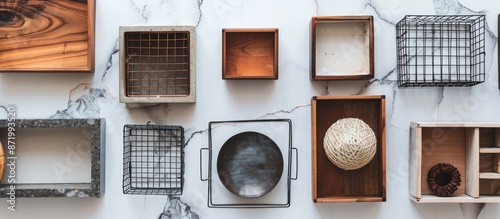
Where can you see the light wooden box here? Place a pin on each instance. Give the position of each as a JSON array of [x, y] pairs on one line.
[[250, 53], [473, 148], [332, 184], [47, 36], [342, 48]]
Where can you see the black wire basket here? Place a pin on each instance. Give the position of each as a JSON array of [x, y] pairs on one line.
[[153, 159], [440, 50]]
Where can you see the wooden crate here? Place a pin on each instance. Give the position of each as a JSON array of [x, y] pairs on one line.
[[332, 184], [473, 148], [47, 36], [342, 48], [250, 53]]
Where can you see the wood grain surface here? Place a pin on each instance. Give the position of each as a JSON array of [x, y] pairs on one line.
[[50, 35], [448, 148], [250, 54]]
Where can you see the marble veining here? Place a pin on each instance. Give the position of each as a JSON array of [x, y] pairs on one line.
[[141, 8], [370, 4], [85, 106], [317, 7], [200, 2], [176, 209], [110, 63]]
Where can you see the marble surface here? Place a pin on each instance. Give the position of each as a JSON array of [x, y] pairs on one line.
[[57, 95]]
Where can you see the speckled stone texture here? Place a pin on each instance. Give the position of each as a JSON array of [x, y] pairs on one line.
[[97, 141]]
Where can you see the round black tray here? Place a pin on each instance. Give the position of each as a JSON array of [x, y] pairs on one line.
[[250, 164]]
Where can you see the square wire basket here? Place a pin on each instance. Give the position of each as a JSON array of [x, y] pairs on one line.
[[153, 159], [440, 50]]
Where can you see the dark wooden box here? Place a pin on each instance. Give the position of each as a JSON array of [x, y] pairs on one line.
[[250, 53], [342, 48], [332, 184]]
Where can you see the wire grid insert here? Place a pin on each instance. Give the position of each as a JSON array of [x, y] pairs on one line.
[[157, 63], [441, 51], [153, 159]]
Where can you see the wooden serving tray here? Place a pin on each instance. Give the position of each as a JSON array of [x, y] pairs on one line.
[[47, 36], [332, 184]]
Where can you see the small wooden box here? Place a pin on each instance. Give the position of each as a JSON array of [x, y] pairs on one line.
[[332, 184], [250, 53], [473, 148], [47, 36], [342, 48]]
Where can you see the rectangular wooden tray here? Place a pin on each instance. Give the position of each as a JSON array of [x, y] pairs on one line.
[[47, 36], [473, 148], [342, 48], [250, 53], [332, 184]]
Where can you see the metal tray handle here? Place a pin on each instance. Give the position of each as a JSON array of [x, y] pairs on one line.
[[201, 163], [296, 163]]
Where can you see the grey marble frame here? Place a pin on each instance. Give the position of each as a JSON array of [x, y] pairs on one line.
[[97, 141]]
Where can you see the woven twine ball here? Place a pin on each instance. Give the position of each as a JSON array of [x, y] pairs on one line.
[[350, 143]]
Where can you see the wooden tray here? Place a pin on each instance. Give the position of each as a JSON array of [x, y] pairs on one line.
[[250, 53], [47, 36], [342, 48], [332, 184], [474, 148]]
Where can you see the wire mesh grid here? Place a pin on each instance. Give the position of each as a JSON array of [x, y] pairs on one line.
[[153, 159], [437, 50], [157, 63]]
